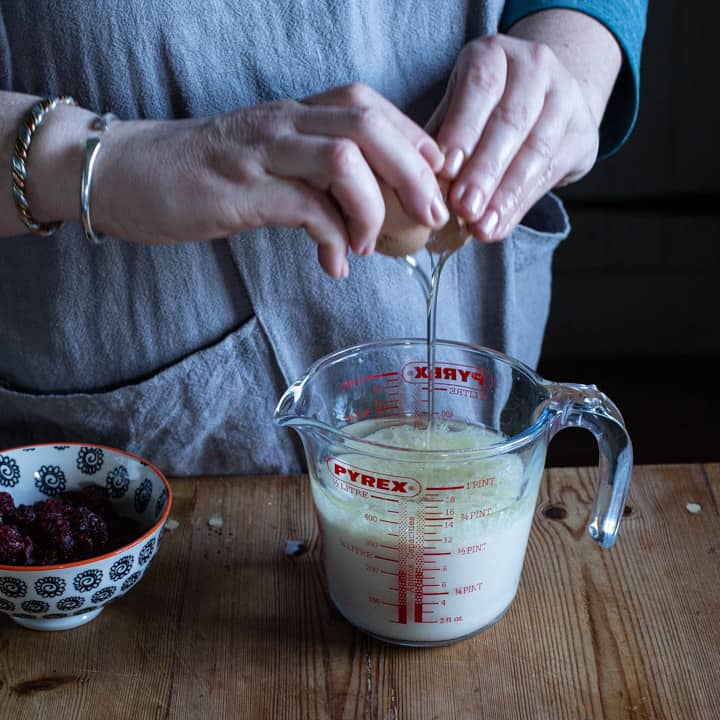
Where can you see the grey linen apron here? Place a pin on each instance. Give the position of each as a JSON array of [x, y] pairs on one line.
[[179, 353]]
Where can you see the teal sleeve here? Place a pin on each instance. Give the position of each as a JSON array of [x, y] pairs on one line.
[[626, 20]]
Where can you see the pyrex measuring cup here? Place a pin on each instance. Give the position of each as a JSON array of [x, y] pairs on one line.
[[425, 526]]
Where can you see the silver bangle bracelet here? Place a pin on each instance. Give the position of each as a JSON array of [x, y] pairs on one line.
[[92, 148]]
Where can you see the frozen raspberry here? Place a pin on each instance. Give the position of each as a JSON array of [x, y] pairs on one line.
[[51, 506], [84, 547], [73, 526], [50, 526], [24, 518], [93, 497], [46, 555], [28, 557], [53, 536], [92, 526], [7, 507], [12, 546], [66, 546]]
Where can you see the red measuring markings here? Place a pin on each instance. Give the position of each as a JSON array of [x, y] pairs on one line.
[[414, 557], [402, 572], [386, 499], [386, 408], [419, 569], [350, 383]]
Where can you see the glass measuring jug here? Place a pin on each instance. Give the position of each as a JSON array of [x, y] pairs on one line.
[[425, 524]]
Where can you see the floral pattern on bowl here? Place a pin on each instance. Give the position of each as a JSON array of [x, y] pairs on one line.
[[60, 597]]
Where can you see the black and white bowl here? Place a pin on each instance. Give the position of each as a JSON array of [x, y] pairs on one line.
[[60, 597]]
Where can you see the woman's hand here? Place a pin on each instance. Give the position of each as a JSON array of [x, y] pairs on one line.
[[516, 122], [310, 164]]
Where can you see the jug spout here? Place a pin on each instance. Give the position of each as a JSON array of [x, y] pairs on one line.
[[294, 410], [287, 411], [585, 406]]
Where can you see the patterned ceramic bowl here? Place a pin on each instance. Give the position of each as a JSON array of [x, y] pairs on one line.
[[59, 597]]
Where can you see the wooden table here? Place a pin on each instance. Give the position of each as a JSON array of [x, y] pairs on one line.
[[226, 625]]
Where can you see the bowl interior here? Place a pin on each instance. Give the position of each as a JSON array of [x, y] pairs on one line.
[[137, 489]]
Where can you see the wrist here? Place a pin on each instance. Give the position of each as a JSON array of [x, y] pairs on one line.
[[584, 46], [54, 166]]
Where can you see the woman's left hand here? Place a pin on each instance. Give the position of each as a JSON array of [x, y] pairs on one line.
[[514, 123]]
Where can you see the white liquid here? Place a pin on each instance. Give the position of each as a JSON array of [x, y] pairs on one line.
[[437, 566]]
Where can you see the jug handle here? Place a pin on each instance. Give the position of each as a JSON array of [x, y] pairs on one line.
[[584, 406]]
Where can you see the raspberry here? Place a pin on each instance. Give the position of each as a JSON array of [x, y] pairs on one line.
[[92, 526], [51, 506], [93, 497], [7, 507], [84, 546], [76, 525], [28, 556], [45, 555], [12, 546], [24, 518]]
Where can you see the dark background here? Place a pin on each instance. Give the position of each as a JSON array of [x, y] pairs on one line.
[[636, 295]]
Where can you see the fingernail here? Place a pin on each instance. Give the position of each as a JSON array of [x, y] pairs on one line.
[[488, 224], [471, 200], [438, 211], [345, 269], [433, 154], [453, 162]]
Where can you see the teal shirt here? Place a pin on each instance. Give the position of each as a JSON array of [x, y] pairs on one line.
[[626, 20]]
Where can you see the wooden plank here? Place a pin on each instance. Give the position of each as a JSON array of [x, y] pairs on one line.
[[713, 478], [226, 624], [115, 666], [256, 628], [647, 605]]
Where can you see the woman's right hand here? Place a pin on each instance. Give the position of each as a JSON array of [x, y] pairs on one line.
[[311, 164]]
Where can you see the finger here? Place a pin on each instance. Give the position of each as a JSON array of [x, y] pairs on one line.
[[476, 86], [433, 125], [360, 95], [336, 166], [535, 170], [389, 153], [291, 203], [509, 124]]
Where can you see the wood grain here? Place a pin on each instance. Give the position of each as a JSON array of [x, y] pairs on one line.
[[226, 625]]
